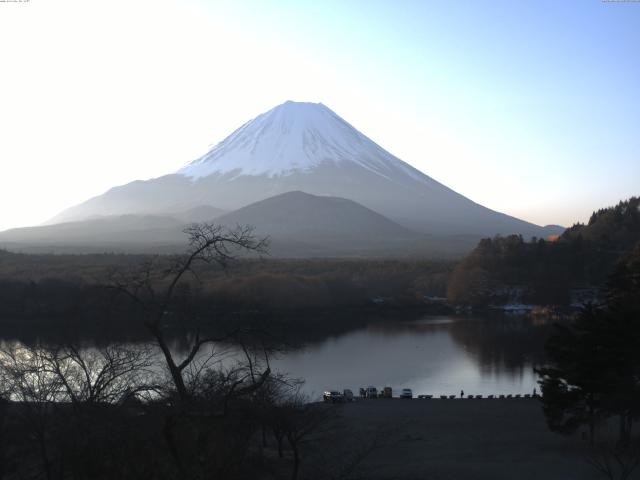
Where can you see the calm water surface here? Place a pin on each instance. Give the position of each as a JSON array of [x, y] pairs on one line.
[[432, 355]]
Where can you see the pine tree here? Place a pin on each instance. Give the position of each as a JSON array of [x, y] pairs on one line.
[[594, 363]]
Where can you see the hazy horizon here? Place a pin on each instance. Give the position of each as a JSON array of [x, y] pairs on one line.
[[530, 110]]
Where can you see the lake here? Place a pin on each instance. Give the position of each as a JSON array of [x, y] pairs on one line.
[[434, 355], [430, 355]]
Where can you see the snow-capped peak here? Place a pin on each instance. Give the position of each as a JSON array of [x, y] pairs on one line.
[[293, 137]]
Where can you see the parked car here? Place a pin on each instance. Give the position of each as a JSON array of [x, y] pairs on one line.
[[372, 392], [406, 393], [347, 395], [387, 392], [333, 396]]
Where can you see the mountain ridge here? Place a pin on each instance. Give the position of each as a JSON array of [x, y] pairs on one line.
[[302, 214], [299, 225], [307, 147]]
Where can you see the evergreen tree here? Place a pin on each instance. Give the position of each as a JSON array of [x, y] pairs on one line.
[[574, 383], [594, 363]]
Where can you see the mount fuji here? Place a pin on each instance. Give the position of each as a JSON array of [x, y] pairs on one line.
[[304, 147], [295, 138]]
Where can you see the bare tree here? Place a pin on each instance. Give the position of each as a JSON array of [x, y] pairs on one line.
[[299, 421], [29, 382], [154, 289], [42, 381], [106, 375], [200, 435], [615, 462], [50, 374]]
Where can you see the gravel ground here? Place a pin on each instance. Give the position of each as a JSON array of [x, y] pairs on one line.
[[457, 439]]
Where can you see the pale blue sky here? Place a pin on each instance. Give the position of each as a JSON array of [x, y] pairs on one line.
[[530, 108]]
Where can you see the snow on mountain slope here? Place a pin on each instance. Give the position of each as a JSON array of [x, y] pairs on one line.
[[294, 137], [305, 147]]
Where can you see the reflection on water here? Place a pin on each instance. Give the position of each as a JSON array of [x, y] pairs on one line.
[[430, 355], [435, 356]]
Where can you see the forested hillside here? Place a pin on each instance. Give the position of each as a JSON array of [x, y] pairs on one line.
[[76, 290], [544, 271]]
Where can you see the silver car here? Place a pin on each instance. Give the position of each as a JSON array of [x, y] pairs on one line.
[[406, 393]]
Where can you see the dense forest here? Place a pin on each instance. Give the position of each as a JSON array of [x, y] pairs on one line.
[[547, 271], [74, 292]]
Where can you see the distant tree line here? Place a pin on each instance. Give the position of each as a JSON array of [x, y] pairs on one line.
[[71, 293], [542, 271]]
